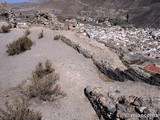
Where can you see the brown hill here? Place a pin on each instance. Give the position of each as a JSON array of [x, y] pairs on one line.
[[143, 13]]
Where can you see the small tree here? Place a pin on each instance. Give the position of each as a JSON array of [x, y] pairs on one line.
[[127, 16]]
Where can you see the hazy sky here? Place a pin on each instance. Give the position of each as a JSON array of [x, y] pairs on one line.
[[13, 1]]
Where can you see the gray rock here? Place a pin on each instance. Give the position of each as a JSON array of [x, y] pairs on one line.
[[111, 108], [107, 109]]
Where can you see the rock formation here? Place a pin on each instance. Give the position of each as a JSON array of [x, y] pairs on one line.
[[47, 20], [108, 62], [114, 105], [40, 18]]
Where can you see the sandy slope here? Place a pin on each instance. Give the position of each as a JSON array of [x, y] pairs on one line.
[[73, 68], [76, 72]]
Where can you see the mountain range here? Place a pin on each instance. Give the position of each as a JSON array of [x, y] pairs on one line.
[[142, 13]]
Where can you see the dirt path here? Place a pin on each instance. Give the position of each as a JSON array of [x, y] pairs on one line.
[[76, 72]]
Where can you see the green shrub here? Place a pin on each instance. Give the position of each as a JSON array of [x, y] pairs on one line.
[[19, 46], [40, 35], [6, 29], [18, 110], [43, 83]]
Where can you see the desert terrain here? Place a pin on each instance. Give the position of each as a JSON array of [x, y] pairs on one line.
[[97, 79]]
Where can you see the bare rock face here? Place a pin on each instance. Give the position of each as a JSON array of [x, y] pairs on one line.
[[113, 105]]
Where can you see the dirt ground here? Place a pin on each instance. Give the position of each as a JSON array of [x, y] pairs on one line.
[[76, 72]]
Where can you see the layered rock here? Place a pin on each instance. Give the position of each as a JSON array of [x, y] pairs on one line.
[[114, 105], [107, 61]]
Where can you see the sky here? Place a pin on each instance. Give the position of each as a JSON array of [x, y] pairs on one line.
[[13, 1]]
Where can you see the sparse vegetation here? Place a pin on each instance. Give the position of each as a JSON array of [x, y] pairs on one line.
[[6, 29], [40, 35], [57, 37], [27, 32], [20, 45], [18, 110], [43, 83]]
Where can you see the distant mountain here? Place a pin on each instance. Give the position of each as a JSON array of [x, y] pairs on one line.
[[143, 13]]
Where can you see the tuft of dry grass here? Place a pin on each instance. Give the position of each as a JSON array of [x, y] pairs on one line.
[[40, 35], [27, 32], [6, 29], [43, 83], [57, 37], [19, 46], [18, 109]]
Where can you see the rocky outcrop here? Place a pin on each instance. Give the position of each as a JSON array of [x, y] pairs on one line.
[[70, 24], [47, 20], [108, 62], [39, 18], [114, 105]]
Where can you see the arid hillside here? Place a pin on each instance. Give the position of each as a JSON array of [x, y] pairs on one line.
[[143, 13]]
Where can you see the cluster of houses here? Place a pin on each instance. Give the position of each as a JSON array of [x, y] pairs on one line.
[[145, 42], [134, 40]]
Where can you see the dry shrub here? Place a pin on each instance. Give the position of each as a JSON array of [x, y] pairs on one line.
[[19, 46], [43, 83], [42, 70], [40, 35], [6, 29], [18, 110], [57, 37], [27, 32]]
